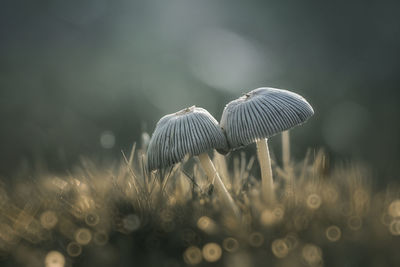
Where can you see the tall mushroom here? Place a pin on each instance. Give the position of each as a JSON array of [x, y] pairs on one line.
[[191, 131], [258, 115]]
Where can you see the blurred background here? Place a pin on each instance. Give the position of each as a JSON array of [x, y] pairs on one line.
[[87, 77]]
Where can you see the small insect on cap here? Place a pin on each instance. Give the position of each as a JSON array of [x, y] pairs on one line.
[[190, 131], [262, 113]]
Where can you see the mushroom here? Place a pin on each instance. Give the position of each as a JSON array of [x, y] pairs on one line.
[[191, 131], [258, 115]]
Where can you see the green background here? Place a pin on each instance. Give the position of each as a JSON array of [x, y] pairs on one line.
[[71, 71]]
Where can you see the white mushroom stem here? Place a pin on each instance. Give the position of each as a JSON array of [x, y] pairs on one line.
[[285, 150], [213, 175], [267, 183]]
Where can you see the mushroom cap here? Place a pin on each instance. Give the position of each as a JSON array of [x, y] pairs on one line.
[[262, 113], [190, 131]]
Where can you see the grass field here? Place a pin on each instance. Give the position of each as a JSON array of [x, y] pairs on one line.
[[117, 214]]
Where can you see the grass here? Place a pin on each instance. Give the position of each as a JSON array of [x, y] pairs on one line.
[[120, 215]]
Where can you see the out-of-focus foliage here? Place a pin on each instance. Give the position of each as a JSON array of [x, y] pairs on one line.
[[118, 215], [87, 76]]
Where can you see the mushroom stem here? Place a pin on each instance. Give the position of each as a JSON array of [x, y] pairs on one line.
[[285, 150], [267, 183], [213, 175]]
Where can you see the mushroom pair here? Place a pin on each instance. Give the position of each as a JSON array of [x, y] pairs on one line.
[[251, 118]]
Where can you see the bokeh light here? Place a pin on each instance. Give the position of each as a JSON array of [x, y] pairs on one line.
[[131, 222], [48, 219], [394, 227], [206, 224], [269, 217], [100, 238], [83, 236], [394, 208], [333, 233], [280, 248], [291, 240], [54, 259], [354, 222], [212, 252], [256, 239], [74, 249], [230, 244], [314, 201], [192, 255], [312, 254], [92, 219]]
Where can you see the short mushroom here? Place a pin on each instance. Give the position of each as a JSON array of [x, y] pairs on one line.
[[191, 131], [258, 115]]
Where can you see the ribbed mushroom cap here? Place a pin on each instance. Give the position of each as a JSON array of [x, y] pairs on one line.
[[190, 131], [262, 113]]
